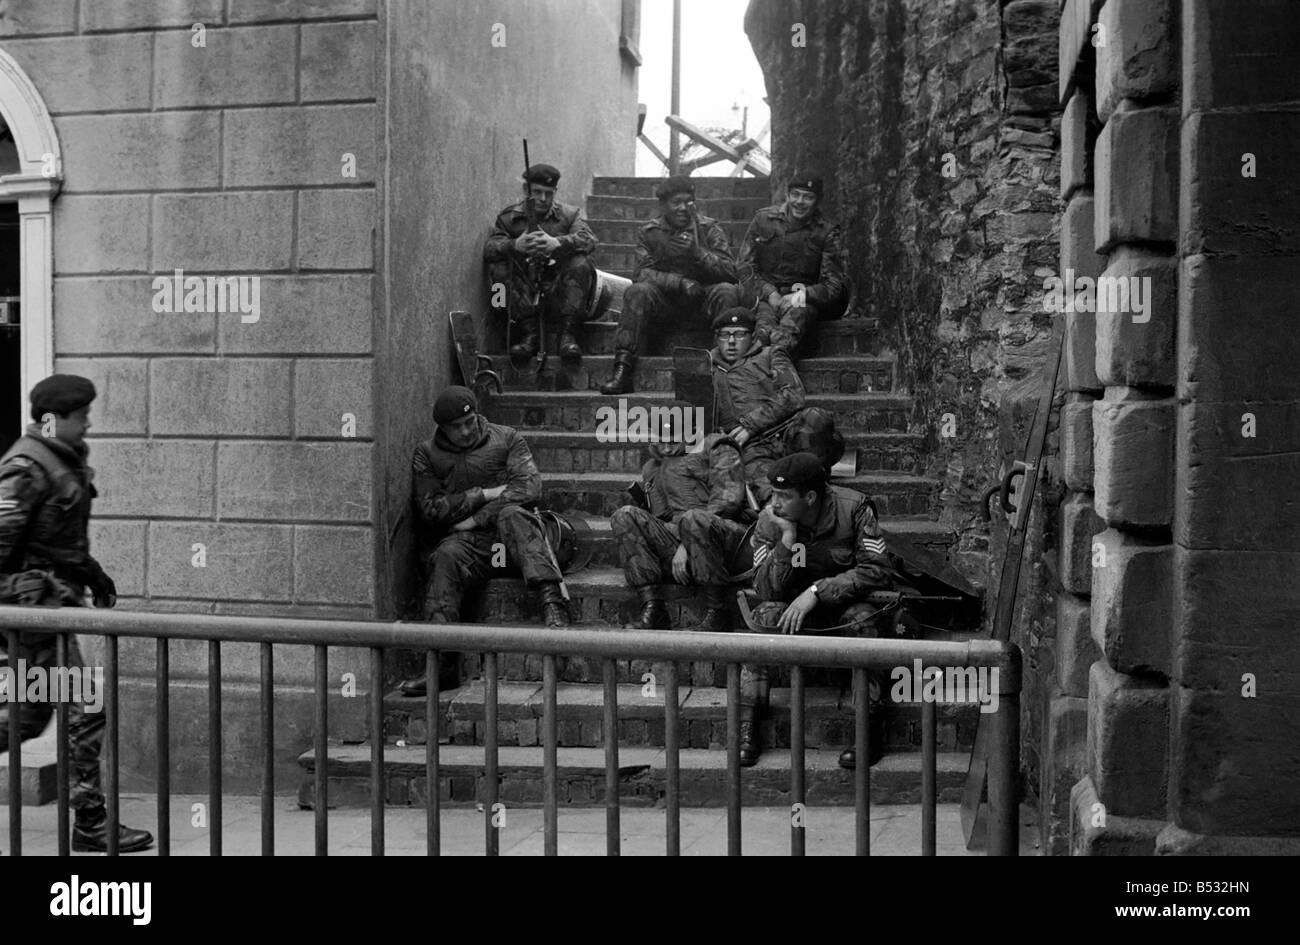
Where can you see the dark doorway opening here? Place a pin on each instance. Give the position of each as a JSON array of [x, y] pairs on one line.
[[11, 393]]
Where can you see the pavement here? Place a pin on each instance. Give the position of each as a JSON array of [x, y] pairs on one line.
[[895, 830]]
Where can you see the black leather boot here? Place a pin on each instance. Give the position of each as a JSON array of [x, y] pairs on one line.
[[570, 350], [751, 746], [448, 669], [654, 612], [90, 835], [876, 737], [620, 382], [525, 330], [555, 613], [716, 619]]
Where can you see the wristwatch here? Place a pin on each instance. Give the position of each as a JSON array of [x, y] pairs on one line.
[[813, 587]]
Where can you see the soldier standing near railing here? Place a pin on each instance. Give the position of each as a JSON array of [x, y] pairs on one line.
[[818, 552], [45, 561]]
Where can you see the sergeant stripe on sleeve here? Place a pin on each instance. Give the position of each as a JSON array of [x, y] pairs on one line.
[[760, 553], [874, 545], [8, 505]]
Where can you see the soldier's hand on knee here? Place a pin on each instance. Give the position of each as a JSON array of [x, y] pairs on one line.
[[793, 618], [681, 573], [493, 493], [693, 291]]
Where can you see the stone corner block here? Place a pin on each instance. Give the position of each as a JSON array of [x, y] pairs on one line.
[[1136, 52], [1079, 523], [1076, 441], [1133, 451], [1137, 173], [1132, 602], [1095, 831], [1076, 650], [1128, 741], [1137, 314]]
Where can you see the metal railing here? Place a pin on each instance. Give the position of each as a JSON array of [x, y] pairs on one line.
[[858, 655]]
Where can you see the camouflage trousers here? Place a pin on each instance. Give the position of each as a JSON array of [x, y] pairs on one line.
[[85, 728], [646, 545], [783, 331], [464, 561], [647, 304], [566, 288]]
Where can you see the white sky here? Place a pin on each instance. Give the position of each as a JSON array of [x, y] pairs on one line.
[[718, 71]]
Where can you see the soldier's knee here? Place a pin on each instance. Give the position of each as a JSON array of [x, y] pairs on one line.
[[695, 522], [450, 554], [509, 513], [639, 292], [579, 265], [627, 518]]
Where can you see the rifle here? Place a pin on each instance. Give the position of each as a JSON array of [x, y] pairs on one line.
[[535, 269], [885, 600]]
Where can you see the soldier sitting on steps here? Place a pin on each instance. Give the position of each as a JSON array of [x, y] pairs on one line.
[[548, 266], [683, 266], [474, 483], [818, 552], [689, 529]]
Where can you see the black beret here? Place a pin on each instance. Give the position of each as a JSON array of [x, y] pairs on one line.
[[543, 174], [805, 181], [453, 403], [672, 186], [797, 471], [61, 394], [740, 316]]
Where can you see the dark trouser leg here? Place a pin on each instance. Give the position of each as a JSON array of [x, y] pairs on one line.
[[642, 302], [460, 563], [794, 324], [754, 685], [525, 545], [710, 541], [718, 298], [765, 315], [758, 457], [570, 300], [646, 546], [520, 292]]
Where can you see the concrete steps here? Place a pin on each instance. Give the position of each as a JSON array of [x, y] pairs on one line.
[[836, 338]]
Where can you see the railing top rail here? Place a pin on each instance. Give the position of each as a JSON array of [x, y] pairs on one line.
[[801, 650]]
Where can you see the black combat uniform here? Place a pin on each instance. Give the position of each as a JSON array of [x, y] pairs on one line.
[[45, 561]]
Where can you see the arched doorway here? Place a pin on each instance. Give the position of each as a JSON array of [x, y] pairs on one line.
[[31, 170]]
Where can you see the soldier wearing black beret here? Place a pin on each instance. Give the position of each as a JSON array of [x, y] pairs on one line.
[[547, 266], [818, 552], [682, 271], [45, 496]]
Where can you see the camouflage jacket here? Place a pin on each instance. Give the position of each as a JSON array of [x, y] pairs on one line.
[[759, 391], [711, 478], [448, 481], [45, 493], [660, 262], [776, 254], [844, 552], [565, 223]]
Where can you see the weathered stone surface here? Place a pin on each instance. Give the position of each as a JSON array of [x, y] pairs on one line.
[[1133, 603], [158, 151], [116, 316], [87, 73], [249, 66], [299, 147], [265, 10], [1078, 132], [1095, 831], [1217, 360], [319, 482], [1075, 50], [119, 546], [1076, 651], [138, 14], [153, 478], [1137, 207], [1135, 348], [230, 232], [1076, 441], [220, 397], [336, 229], [121, 389], [333, 565], [1133, 451], [304, 315], [1238, 465], [1079, 260], [327, 389], [1139, 59], [1079, 523], [338, 62], [1229, 761], [38, 17], [1064, 763], [1175, 841], [101, 234], [1216, 74], [236, 561], [1240, 171], [1128, 742]]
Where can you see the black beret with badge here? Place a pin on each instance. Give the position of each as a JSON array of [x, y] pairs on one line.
[[802, 471], [738, 317], [543, 174], [453, 403], [61, 394]]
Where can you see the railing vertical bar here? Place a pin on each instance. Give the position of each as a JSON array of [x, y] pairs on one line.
[[163, 741], [490, 779], [432, 755], [63, 760], [321, 721], [929, 795], [15, 750], [268, 749], [798, 790], [612, 828], [550, 741], [733, 759], [862, 769], [214, 747], [672, 773], [112, 726], [1004, 768], [376, 751]]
